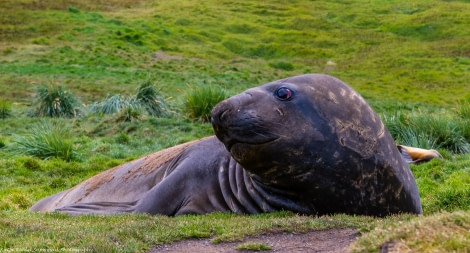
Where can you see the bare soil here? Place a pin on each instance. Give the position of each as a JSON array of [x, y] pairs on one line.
[[332, 240]]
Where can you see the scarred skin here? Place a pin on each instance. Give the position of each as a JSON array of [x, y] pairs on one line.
[[309, 144]]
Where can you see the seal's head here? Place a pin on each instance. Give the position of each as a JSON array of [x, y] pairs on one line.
[[314, 133], [294, 123]]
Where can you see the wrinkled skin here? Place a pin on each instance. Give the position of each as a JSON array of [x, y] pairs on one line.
[[309, 144]]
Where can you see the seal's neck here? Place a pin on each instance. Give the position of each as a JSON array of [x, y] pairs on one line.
[[247, 193]]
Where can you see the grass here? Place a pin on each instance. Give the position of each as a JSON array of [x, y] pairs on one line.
[[147, 99], [54, 101], [387, 47], [200, 100], [138, 232], [253, 246], [443, 183], [430, 130], [409, 60], [46, 140], [463, 110], [130, 113], [442, 232], [5, 109], [148, 96]]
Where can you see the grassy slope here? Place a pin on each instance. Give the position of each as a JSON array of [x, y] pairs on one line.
[[395, 51], [409, 52]]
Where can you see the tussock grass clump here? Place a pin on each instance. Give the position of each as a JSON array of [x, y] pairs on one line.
[[199, 102], [127, 109], [132, 112], [55, 102], [430, 131], [5, 109], [110, 105], [148, 96], [147, 99], [46, 140]]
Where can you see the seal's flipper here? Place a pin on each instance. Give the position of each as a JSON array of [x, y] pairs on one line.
[[405, 154], [98, 208], [417, 155]]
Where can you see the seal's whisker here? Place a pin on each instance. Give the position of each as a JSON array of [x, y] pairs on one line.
[[268, 136], [258, 133]]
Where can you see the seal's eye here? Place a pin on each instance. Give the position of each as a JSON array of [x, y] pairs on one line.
[[283, 93]]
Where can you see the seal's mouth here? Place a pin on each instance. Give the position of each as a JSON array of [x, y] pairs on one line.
[[233, 142], [235, 126]]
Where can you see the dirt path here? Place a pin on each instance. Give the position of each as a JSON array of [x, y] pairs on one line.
[[333, 240]]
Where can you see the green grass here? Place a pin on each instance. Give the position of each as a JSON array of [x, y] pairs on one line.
[[441, 232], [411, 61], [46, 140], [463, 109], [441, 130], [443, 184], [146, 100], [54, 101], [110, 105], [5, 109], [409, 52], [148, 96], [139, 232], [200, 100], [253, 246]]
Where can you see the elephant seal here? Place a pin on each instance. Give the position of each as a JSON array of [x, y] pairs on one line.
[[309, 144]]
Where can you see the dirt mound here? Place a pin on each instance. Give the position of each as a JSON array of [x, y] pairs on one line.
[[332, 240]]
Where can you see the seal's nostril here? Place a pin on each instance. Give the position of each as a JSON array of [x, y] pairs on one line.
[[221, 115], [219, 118]]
